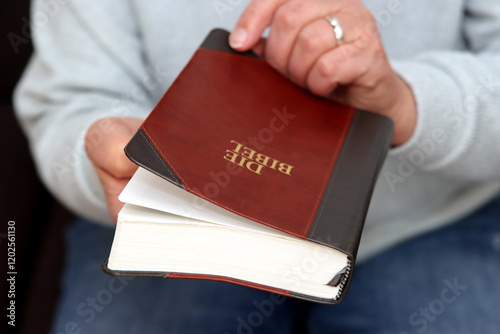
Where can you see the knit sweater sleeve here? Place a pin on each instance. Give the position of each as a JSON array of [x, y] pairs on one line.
[[86, 65], [458, 102]]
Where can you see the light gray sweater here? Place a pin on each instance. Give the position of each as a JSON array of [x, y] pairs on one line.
[[96, 59]]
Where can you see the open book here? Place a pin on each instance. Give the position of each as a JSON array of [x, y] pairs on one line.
[[247, 178]]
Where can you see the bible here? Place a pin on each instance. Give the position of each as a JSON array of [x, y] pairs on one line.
[[247, 178]]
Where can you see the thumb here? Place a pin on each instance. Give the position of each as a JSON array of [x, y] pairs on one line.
[[252, 23], [105, 141]]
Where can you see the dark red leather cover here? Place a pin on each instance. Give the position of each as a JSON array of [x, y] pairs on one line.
[[219, 98]]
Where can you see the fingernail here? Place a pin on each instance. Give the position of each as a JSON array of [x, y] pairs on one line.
[[237, 38]]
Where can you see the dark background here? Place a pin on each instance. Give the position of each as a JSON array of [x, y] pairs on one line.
[[40, 220]]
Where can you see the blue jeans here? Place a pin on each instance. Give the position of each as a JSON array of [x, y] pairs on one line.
[[446, 281]]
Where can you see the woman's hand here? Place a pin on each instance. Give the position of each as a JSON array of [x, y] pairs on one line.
[[104, 143], [303, 47]]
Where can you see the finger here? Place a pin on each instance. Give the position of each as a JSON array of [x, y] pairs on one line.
[[333, 69], [313, 40], [105, 141], [286, 25], [287, 22], [251, 24], [361, 53]]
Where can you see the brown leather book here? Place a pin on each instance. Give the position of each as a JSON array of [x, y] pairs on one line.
[[234, 134]]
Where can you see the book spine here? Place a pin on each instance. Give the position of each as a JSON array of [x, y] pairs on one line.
[[352, 183], [344, 284]]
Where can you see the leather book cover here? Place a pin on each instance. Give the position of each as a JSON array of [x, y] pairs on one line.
[[232, 130]]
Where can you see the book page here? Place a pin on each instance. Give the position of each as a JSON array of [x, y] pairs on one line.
[[151, 191], [134, 213]]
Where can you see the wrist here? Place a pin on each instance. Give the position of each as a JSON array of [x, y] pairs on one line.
[[403, 113]]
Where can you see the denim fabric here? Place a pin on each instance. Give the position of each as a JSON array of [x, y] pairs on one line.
[[446, 281]]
